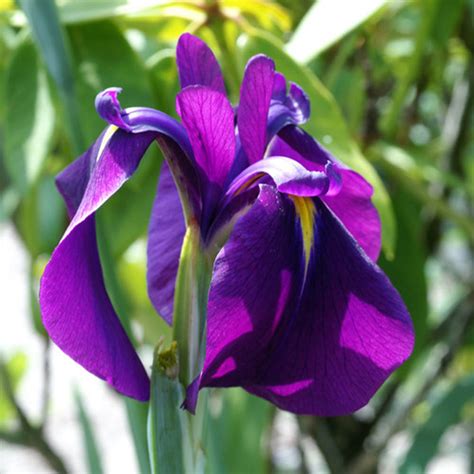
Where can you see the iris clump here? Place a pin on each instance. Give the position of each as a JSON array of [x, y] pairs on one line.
[[298, 312]]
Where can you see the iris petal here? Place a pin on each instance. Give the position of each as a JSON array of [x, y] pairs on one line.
[[255, 96], [75, 307], [319, 342], [197, 64], [350, 198], [209, 120], [289, 176], [165, 237]]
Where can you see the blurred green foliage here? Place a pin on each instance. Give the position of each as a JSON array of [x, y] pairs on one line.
[[392, 96]]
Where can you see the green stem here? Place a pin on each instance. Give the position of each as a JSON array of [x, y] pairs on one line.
[[174, 436], [169, 432]]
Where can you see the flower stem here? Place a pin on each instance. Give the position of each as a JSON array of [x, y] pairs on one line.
[[174, 436], [169, 433], [190, 304]]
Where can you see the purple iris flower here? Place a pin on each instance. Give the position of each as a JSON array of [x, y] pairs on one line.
[[298, 311]]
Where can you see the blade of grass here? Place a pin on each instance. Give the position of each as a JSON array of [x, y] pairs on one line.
[[94, 461], [48, 34]]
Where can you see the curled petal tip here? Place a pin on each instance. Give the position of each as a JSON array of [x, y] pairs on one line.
[[300, 101], [109, 109], [279, 87], [335, 179]]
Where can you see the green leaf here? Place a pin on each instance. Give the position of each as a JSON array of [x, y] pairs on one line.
[[126, 215], [44, 22], [81, 11], [16, 369], [94, 461], [137, 414], [9, 200], [235, 432], [328, 126], [445, 412], [164, 75], [41, 216], [104, 58], [132, 274], [29, 118], [324, 24], [269, 15], [407, 270], [390, 121]]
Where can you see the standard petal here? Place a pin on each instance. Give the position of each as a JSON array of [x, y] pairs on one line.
[[197, 64], [255, 95], [350, 198], [279, 87], [209, 120], [315, 335], [165, 237], [80, 319], [292, 109]]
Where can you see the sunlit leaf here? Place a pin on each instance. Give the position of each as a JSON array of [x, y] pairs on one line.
[[266, 13], [16, 367], [105, 59], [237, 424], [444, 413], [164, 76], [49, 38], [79, 11], [326, 22], [41, 216], [407, 269], [94, 461], [132, 274], [137, 413], [29, 120]]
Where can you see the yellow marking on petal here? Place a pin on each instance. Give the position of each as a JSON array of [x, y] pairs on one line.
[[107, 136], [306, 211]]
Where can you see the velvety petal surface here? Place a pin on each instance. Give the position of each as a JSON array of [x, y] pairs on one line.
[[255, 95], [197, 64], [315, 334], [209, 120], [75, 308], [353, 205], [80, 319], [350, 198], [165, 237]]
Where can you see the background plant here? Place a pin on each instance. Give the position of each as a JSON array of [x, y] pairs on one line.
[[391, 87]]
